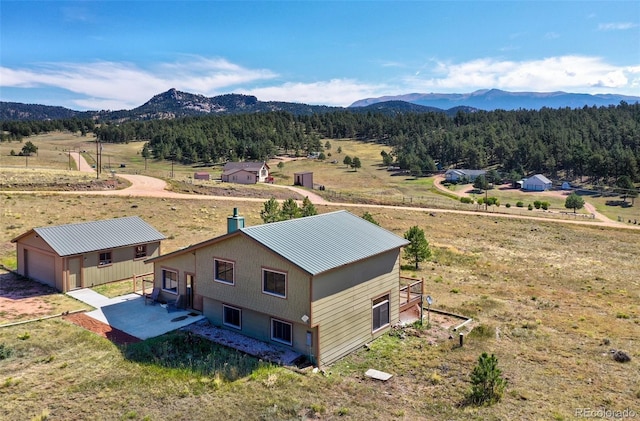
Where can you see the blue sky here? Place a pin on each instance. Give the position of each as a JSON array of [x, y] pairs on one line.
[[118, 54]]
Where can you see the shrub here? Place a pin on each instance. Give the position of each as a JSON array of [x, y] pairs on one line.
[[621, 356], [487, 384], [5, 352], [537, 204], [530, 207], [520, 204], [545, 205], [466, 200], [508, 205]]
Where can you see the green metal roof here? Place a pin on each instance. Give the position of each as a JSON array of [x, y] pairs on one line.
[[319, 243], [84, 237]]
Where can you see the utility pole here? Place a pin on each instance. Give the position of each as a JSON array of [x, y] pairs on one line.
[[97, 159]]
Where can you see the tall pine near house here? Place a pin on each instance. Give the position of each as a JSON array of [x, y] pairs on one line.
[[418, 250]]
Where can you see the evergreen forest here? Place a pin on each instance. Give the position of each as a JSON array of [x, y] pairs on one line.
[[601, 143]]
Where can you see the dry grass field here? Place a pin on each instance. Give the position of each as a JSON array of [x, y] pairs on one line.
[[550, 300]]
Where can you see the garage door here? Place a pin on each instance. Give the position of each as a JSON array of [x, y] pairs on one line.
[[40, 266]]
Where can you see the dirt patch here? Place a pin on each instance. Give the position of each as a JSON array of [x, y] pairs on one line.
[[110, 184], [21, 298], [232, 190], [440, 327], [114, 335]]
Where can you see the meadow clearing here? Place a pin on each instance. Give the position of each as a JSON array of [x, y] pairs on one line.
[[549, 299]]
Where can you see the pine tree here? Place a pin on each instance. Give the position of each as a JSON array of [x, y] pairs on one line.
[[271, 211], [418, 250], [487, 384], [290, 210], [308, 209]]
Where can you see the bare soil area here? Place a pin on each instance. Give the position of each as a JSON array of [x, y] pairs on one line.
[[21, 298], [110, 184]]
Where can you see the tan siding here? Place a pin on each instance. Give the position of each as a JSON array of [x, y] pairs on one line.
[[183, 263], [36, 245], [341, 306], [345, 317], [123, 265], [250, 258]]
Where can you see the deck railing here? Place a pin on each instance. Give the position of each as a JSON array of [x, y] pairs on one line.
[[411, 292]]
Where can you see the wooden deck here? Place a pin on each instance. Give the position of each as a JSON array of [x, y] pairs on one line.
[[411, 294]]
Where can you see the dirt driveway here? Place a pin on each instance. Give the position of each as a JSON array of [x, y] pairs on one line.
[[144, 186], [601, 219]]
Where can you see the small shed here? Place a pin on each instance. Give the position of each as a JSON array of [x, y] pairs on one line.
[[201, 176], [566, 185], [304, 179]]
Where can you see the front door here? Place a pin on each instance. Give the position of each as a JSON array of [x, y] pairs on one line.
[[189, 280], [75, 274], [194, 301]]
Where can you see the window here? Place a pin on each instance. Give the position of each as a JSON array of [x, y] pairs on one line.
[[232, 317], [223, 271], [380, 312], [170, 281], [281, 331], [141, 251], [274, 283], [105, 258]]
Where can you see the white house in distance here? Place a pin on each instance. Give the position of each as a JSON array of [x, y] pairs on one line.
[[459, 175], [246, 172], [537, 182]]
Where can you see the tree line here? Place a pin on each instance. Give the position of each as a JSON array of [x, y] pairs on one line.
[[602, 143]]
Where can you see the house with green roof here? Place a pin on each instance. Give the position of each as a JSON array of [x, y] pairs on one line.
[[323, 285], [87, 254]]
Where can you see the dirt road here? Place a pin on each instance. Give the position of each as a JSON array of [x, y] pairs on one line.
[[601, 219], [144, 186]]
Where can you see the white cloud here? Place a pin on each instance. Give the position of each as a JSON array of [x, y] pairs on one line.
[[616, 26], [566, 73], [335, 92], [125, 85], [110, 85]]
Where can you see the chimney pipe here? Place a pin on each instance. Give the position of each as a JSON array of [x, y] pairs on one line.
[[234, 222]]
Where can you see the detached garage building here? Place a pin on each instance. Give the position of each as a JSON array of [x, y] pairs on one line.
[[86, 254], [537, 183]]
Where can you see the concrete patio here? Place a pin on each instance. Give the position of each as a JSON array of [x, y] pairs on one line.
[[129, 314]]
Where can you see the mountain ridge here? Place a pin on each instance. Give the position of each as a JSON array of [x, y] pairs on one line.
[[493, 99], [175, 104]]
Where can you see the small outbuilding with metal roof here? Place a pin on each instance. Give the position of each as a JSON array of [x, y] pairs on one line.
[[86, 254], [537, 182], [322, 285]]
